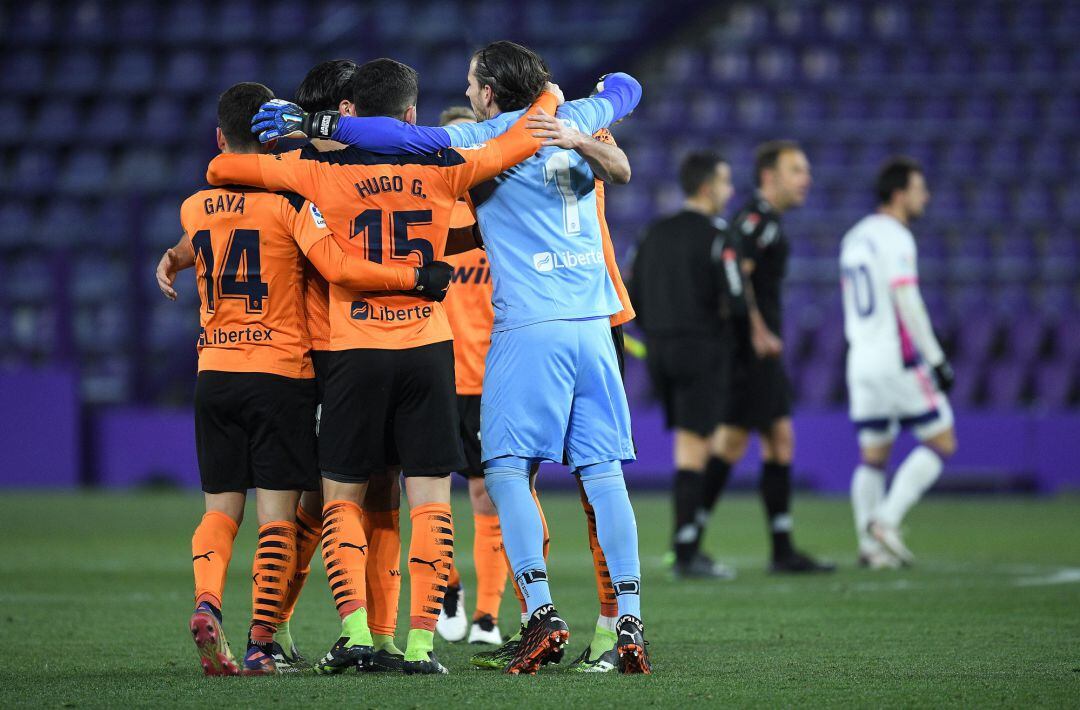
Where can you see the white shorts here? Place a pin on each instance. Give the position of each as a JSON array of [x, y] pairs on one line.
[[882, 403]]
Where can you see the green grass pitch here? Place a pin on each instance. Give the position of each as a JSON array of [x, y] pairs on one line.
[[96, 592]]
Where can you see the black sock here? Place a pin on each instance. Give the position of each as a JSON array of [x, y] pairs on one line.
[[717, 472], [687, 533], [776, 494]]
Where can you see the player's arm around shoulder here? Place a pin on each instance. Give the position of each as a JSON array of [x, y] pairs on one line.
[[281, 171], [484, 162]]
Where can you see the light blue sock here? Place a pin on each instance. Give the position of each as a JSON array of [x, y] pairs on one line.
[[616, 529], [507, 482]]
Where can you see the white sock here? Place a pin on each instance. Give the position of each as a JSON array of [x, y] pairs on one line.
[[524, 618], [916, 474], [606, 622], [867, 492]]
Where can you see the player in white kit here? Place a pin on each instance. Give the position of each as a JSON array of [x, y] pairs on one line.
[[897, 373]]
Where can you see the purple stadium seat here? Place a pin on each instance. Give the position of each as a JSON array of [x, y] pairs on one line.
[[137, 20], [163, 120], [729, 66], [286, 21], [110, 120], [1033, 205], [186, 22], [1053, 384], [1005, 384], [820, 64], [1014, 259], [63, 224], [16, 224], [237, 20], [131, 71], [23, 71], [112, 222], [890, 20], [77, 72], [239, 65], [86, 172], [142, 169], [186, 70], [819, 385], [97, 278], [29, 279], [1026, 336], [976, 336], [35, 171]]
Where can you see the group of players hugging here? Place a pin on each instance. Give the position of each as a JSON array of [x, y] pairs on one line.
[[330, 368]]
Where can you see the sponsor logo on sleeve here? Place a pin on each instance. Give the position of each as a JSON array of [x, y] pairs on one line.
[[317, 217]]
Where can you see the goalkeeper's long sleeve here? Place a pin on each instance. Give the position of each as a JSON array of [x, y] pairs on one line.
[[912, 312]]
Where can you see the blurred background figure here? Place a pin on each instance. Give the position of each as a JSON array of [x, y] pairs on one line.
[[686, 284], [896, 371]]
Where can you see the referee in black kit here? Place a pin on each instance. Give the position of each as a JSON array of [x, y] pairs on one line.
[[685, 284], [758, 396]]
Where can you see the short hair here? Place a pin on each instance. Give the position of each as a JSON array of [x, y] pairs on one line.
[[895, 175], [326, 85], [456, 113], [236, 107], [697, 168], [767, 155], [384, 87], [516, 74]]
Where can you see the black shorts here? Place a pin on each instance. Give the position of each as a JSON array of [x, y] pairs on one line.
[[388, 408], [320, 360], [759, 391], [688, 375], [255, 430], [469, 413]]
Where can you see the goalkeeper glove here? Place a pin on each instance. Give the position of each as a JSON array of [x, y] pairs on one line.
[[433, 280], [944, 376], [284, 119]]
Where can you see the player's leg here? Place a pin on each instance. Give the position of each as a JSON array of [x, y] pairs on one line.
[[868, 491], [279, 418], [211, 551], [383, 530], [428, 441], [272, 571], [308, 538], [491, 567], [524, 419], [221, 445], [600, 656], [915, 475], [453, 622], [598, 440], [692, 507], [431, 548], [352, 448]]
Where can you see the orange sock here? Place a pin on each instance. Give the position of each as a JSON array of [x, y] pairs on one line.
[[491, 567], [431, 551], [271, 573], [547, 546], [308, 533], [604, 591], [383, 570], [211, 550], [345, 555]]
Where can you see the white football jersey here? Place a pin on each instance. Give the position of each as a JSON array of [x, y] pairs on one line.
[[876, 255]]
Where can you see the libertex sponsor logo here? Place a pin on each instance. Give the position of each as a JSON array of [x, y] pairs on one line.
[[224, 336], [362, 310], [545, 261]]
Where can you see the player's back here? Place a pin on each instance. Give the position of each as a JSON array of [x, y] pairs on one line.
[[389, 208], [250, 281], [871, 254], [543, 237]]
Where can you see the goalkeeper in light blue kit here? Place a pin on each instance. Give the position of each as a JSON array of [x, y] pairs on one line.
[[551, 384]]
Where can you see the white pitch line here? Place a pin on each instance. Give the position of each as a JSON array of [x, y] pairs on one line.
[[1065, 575]]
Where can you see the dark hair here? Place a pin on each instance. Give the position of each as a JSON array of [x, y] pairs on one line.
[[384, 87], [517, 75], [768, 154], [326, 85], [455, 113], [895, 175], [698, 168], [235, 109]]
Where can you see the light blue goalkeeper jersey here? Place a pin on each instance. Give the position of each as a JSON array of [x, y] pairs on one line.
[[541, 228]]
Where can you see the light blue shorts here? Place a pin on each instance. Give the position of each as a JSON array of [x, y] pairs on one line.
[[553, 388]]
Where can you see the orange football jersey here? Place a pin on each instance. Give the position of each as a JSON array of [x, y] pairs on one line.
[[395, 209], [468, 306], [627, 313], [250, 272]]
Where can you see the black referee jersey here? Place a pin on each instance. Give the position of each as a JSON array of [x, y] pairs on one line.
[[685, 278]]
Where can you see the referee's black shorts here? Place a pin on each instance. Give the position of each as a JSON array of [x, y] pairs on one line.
[[688, 376]]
